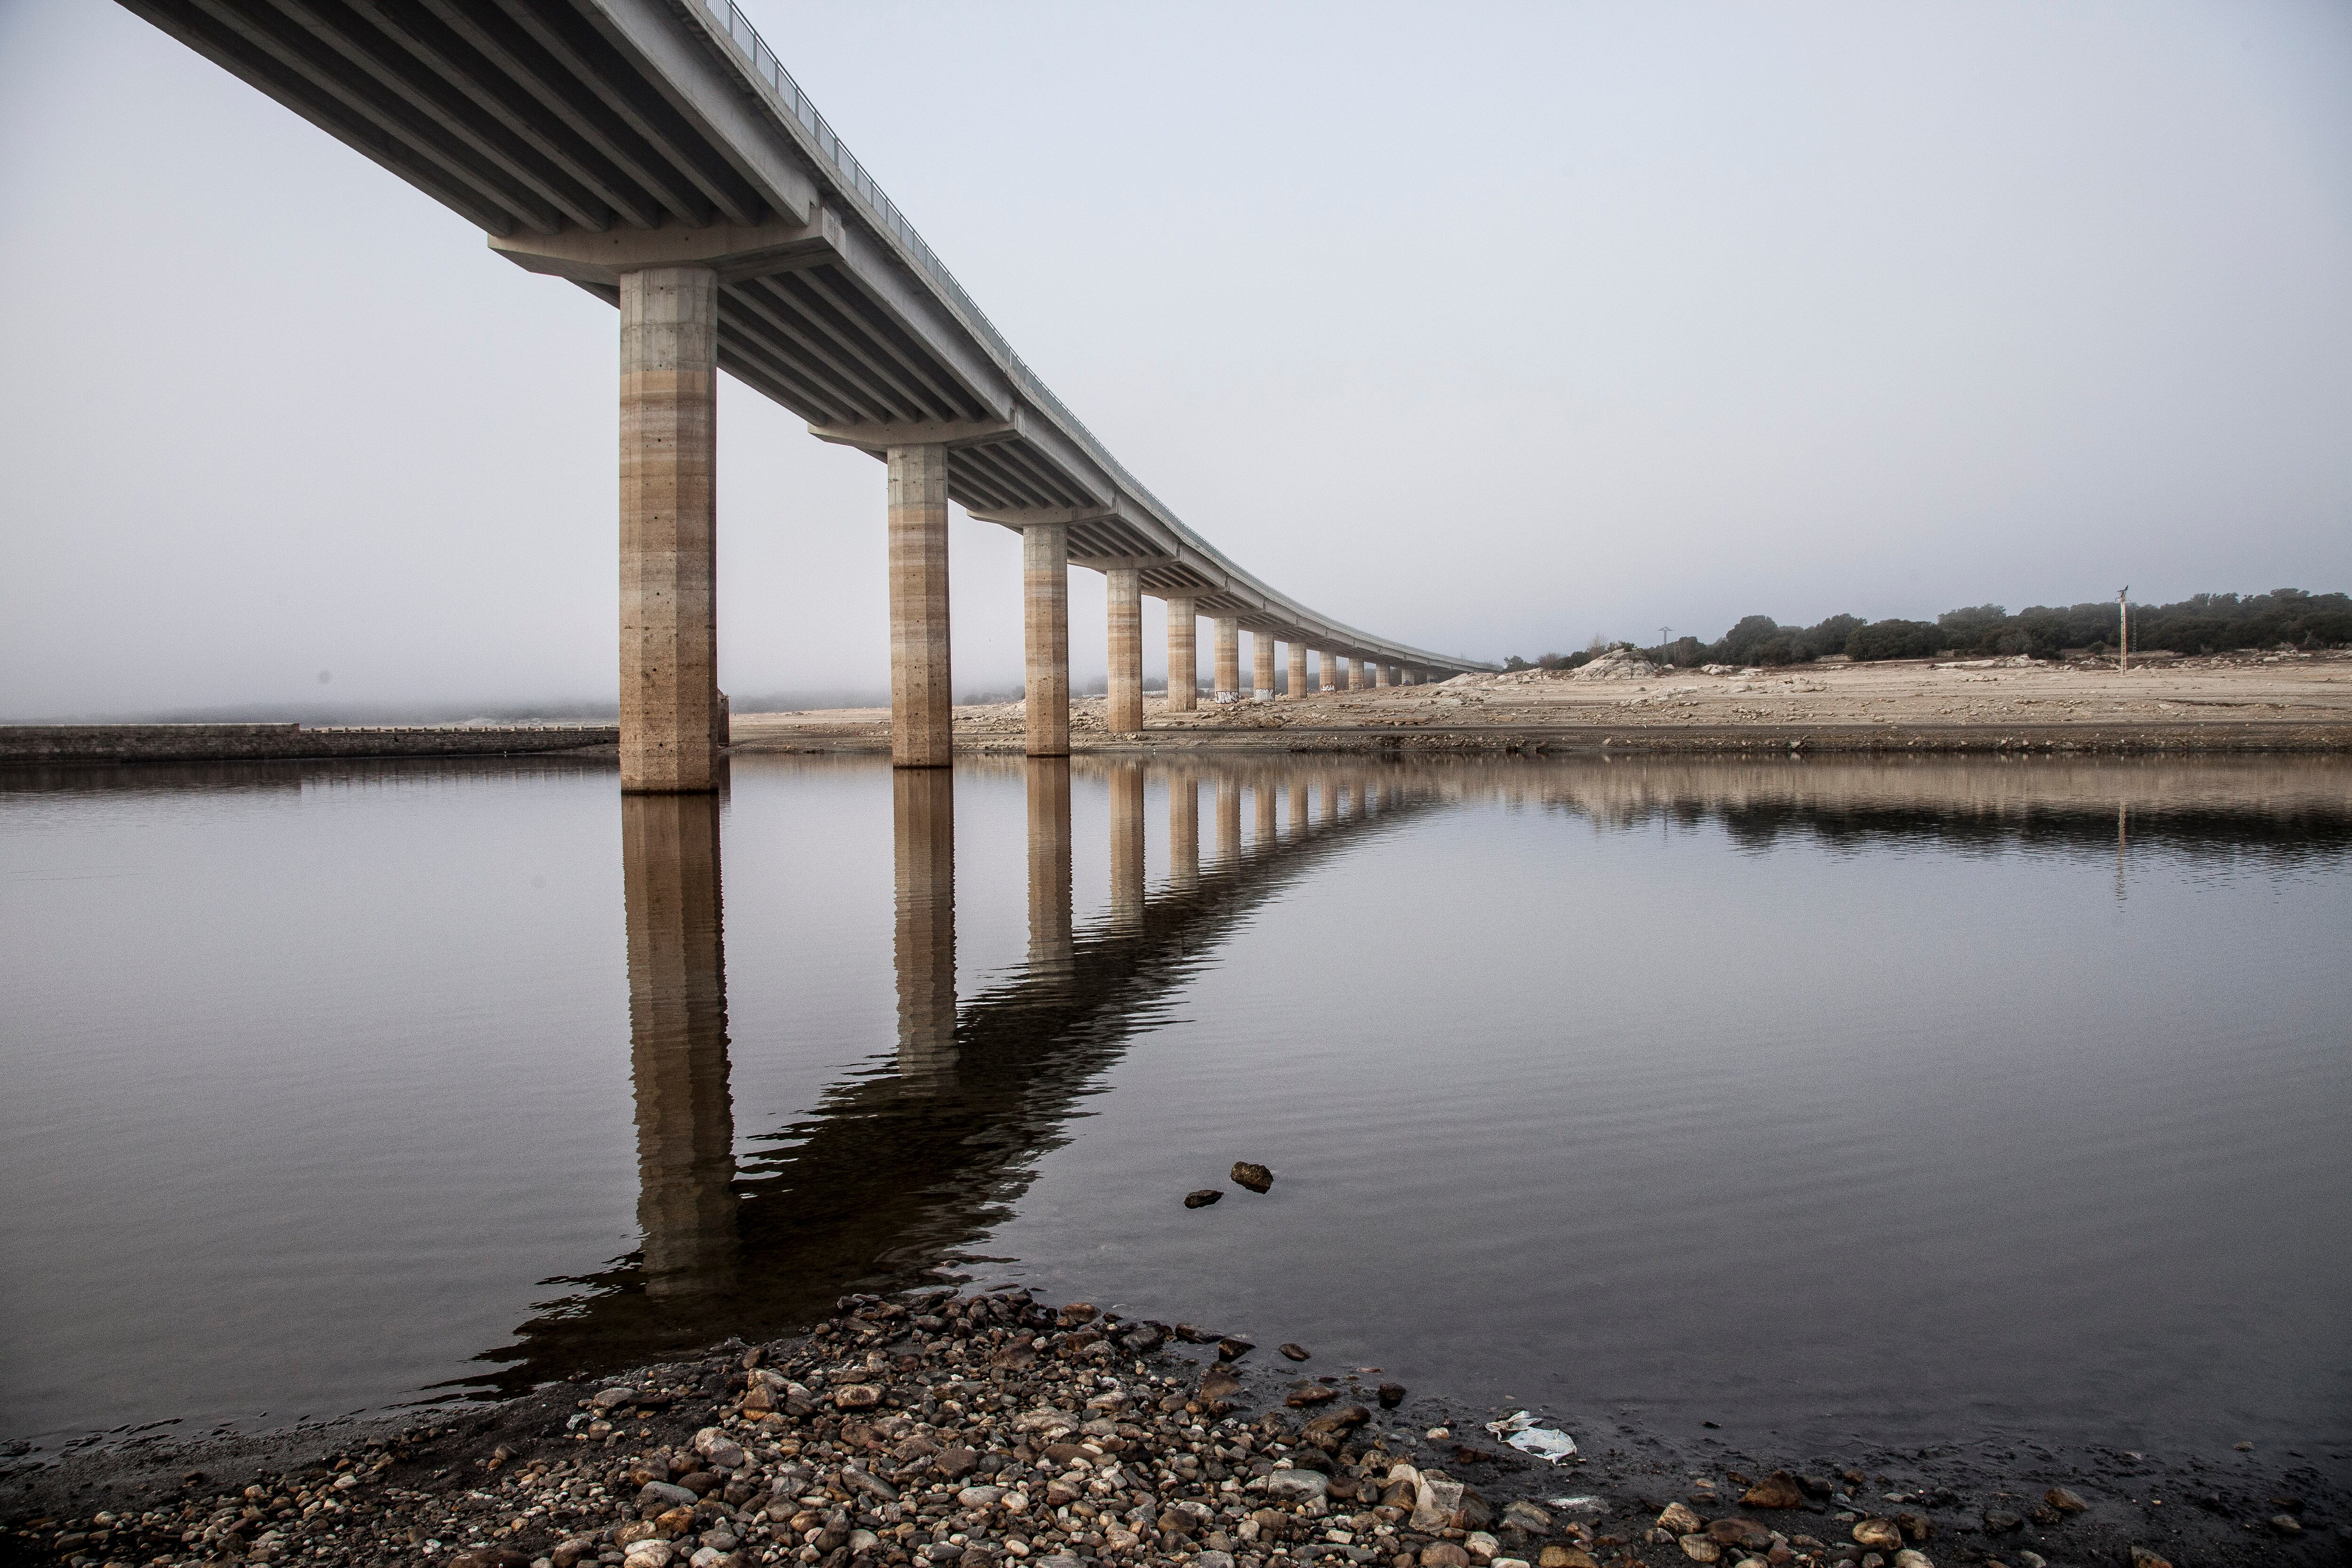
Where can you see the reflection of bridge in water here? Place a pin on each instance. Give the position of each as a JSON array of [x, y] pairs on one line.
[[897, 1169], [904, 1168]]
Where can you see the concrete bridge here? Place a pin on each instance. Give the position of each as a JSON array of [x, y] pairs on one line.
[[657, 154]]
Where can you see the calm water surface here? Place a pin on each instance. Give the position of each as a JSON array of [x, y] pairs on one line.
[[1916, 1101]]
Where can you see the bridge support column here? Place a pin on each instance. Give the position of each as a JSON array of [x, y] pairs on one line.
[[1359, 674], [921, 712], [677, 1041], [1383, 675], [1396, 675], [923, 838], [1126, 845], [1183, 832], [670, 731], [1298, 687], [1049, 865], [1126, 642], [1262, 667], [1343, 674], [1183, 656], [1045, 637], [1229, 658]]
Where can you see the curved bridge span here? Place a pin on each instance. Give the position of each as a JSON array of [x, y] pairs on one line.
[[657, 154]]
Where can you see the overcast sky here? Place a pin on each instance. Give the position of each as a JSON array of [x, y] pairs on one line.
[[1483, 328]]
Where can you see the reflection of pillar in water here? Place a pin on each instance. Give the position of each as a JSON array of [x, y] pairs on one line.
[[1302, 797], [1229, 820], [1183, 832], [1125, 844], [1049, 864], [922, 822], [1331, 801], [1262, 793], [677, 1041]]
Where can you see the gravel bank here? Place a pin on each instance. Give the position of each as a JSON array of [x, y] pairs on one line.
[[990, 1430]]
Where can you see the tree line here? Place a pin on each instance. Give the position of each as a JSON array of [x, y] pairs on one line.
[[2203, 623]]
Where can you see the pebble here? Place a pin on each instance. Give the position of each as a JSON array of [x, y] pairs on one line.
[[1296, 1353], [1203, 1197], [1256, 1178], [1879, 1533]]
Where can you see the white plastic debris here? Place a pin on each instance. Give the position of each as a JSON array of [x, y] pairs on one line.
[[1521, 1432]]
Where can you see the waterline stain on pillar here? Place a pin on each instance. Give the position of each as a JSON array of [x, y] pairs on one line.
[[670, 628], [1124, 585], [1045, 637], [921, 711]]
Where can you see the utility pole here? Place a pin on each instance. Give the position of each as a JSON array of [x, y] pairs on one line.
[[2123, 631]]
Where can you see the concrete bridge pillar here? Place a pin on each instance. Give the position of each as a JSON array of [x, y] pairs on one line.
[[1049, 865], [921, 712], [1262, 665], [1229, 658], [1183, 656], [1229, 820], [923, 843], [1126, 651], [1359, 675], [1343, 673], [1298, 687], [1045, 638], [677, 1041], [1383, 675], [1396, 675], [1126, 845], [1183, 832], [670, 731]]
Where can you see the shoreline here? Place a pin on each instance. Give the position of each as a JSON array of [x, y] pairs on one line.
[[987, 1429]]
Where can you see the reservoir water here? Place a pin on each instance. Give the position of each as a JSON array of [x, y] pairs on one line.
[[1919, 1102]]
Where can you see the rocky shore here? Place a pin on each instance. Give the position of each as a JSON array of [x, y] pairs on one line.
[[989, 1430]]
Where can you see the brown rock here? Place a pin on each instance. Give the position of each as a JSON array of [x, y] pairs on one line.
[[1444, 1554], [1192, 1336], [2141, 1557], [1296, 1353], [1256, 1178], [1737, 1532], [1176, 1523], [954, 1464], [1678, 1519], [1308, 1394], [572, 1550], [1392, 1396], [1079, 1312], [1233, 1347], [1203, 1197], [1699, 1549], [1354, 1416], [857, 1396], [674, 1522], [2064, 1501], [1914, 1526], [1018, 1356], [636, 1530], [1883, 1533], [1565, 1557], [1779, 1489]]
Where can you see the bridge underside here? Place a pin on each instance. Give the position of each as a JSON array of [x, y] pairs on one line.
[[598, 140]]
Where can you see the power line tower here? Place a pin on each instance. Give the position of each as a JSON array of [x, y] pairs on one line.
[[2123, 629]]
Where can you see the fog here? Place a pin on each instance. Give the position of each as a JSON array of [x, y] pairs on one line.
[[1485, 329]]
